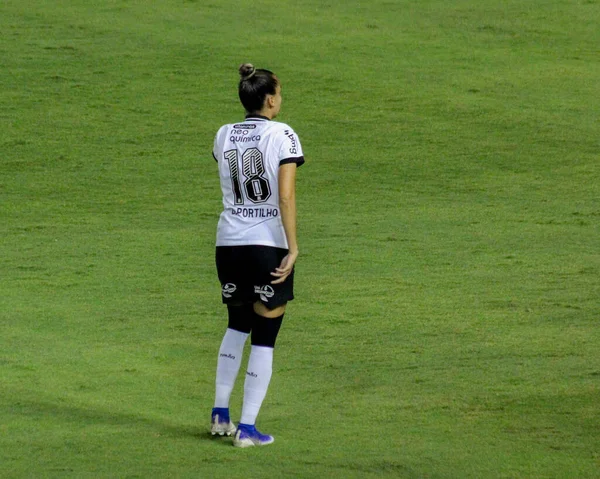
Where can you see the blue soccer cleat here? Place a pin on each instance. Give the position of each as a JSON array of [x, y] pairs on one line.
[[248, 436], [220, 423]]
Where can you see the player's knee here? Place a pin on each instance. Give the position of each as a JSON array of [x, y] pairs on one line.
[[265, 330]]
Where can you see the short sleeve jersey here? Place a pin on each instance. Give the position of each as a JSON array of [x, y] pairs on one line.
[[249, 155]]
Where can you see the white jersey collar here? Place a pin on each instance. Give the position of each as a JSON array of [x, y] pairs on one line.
[[254, 117]]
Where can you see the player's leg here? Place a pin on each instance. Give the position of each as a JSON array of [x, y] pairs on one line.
[[240, 316], [260, 363], [268, 317], [258, 375], [228, 365]]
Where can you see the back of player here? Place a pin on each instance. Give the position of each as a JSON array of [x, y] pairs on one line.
[[256, 246], [249, 155]]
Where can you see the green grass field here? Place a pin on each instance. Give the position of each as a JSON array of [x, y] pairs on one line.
[[446, 320]]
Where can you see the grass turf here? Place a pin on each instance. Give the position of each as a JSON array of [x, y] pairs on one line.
[[448, 287]]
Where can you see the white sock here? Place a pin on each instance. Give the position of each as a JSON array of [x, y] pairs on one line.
[[258, 376], [228, 365]]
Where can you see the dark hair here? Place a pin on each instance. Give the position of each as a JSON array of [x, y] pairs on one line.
[[255, 85]]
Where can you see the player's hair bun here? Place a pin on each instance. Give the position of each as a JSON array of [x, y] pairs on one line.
[[247, 71]]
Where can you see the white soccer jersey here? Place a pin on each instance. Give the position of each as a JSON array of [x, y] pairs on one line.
[[249, 155]]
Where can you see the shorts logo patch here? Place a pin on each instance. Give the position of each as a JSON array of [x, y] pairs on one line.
[[265, 292], [228, 289]]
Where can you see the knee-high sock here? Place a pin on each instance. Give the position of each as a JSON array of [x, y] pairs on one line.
[[258, 376], [228, 365]]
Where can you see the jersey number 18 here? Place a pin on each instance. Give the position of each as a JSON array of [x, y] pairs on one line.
[[256, 186]]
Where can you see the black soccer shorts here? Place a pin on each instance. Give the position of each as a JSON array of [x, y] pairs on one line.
[[245, 275]]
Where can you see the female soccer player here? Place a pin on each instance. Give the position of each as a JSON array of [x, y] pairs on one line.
[[256, 246]]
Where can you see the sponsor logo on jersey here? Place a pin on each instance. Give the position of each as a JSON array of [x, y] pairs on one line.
[[265, 292], [243, 139], [292, 137], [244, 126], [242, 136], [228, 289]]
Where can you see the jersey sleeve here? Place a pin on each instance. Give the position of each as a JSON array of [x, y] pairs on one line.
[[215, 152], [290, 150]]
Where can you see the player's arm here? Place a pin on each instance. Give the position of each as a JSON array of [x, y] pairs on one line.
[[287, 206]]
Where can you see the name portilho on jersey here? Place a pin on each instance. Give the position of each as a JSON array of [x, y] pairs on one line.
[[255, 212]]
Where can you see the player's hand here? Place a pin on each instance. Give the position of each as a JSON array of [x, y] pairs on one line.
[[285, 268]]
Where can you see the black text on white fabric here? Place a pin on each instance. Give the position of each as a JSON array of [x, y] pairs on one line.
[[255, 186]]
